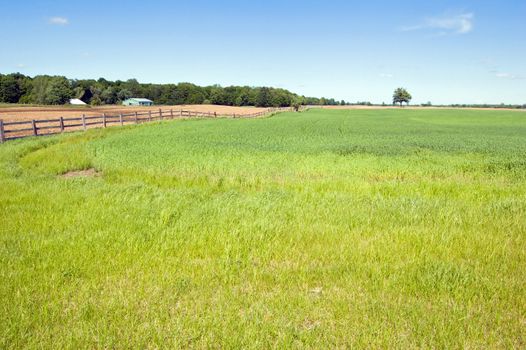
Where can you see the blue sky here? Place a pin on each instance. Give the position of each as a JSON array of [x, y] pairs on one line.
[[442, 51]]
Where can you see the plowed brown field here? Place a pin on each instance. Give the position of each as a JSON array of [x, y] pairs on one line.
[[20, 113]]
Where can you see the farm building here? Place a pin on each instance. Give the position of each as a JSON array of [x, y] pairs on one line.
[[76, 101], [134, 101]]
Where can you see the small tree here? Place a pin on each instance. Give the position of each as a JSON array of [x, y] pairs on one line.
[[9, 89], [58, 91], [109, 95], [263, 97], [124, 94], [401, 95], [96, 101], [296, 106]]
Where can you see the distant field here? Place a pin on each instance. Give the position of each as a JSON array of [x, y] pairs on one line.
[[393, 228], [20, 112], [417, 107]]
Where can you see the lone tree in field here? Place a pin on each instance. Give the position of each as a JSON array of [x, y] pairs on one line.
[[400, 96]]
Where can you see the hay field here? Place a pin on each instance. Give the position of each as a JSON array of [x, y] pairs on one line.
[[322, 229]]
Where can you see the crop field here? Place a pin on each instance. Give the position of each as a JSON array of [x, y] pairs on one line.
[[393, 228]]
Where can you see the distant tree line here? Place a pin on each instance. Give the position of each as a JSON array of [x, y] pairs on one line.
[[471, 105], [57, 90], [501, 105]]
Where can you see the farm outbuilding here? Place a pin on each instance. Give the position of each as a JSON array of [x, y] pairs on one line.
[[135, 101], [76, 101]]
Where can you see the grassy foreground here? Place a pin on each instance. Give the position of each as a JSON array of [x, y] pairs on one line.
[[364, 228]]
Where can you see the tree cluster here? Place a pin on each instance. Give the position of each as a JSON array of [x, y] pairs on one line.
[[56, 90]]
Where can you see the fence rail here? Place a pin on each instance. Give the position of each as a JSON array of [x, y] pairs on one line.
[[40, 127]]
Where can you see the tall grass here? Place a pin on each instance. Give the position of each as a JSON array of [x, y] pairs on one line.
[[363, 228]]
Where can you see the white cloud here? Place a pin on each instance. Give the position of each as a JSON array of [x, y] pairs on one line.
[[20, 65], [508, 76], [60, 21], [452, 24]]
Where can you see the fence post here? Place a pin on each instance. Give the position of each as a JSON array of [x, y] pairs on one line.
[[84, 122], [2, 134], [61, 121], [149, 116], [34, 126], [120, 119], [136, 118], [172, 113], [180, 113], [160, 114], [104, 119]]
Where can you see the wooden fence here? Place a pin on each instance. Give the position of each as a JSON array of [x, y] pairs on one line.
[[41, 127]]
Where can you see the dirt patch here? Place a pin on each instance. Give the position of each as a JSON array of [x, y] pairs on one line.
[[81, 173], [48, 117]]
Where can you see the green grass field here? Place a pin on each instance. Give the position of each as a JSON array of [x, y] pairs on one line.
[[322, 229]]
